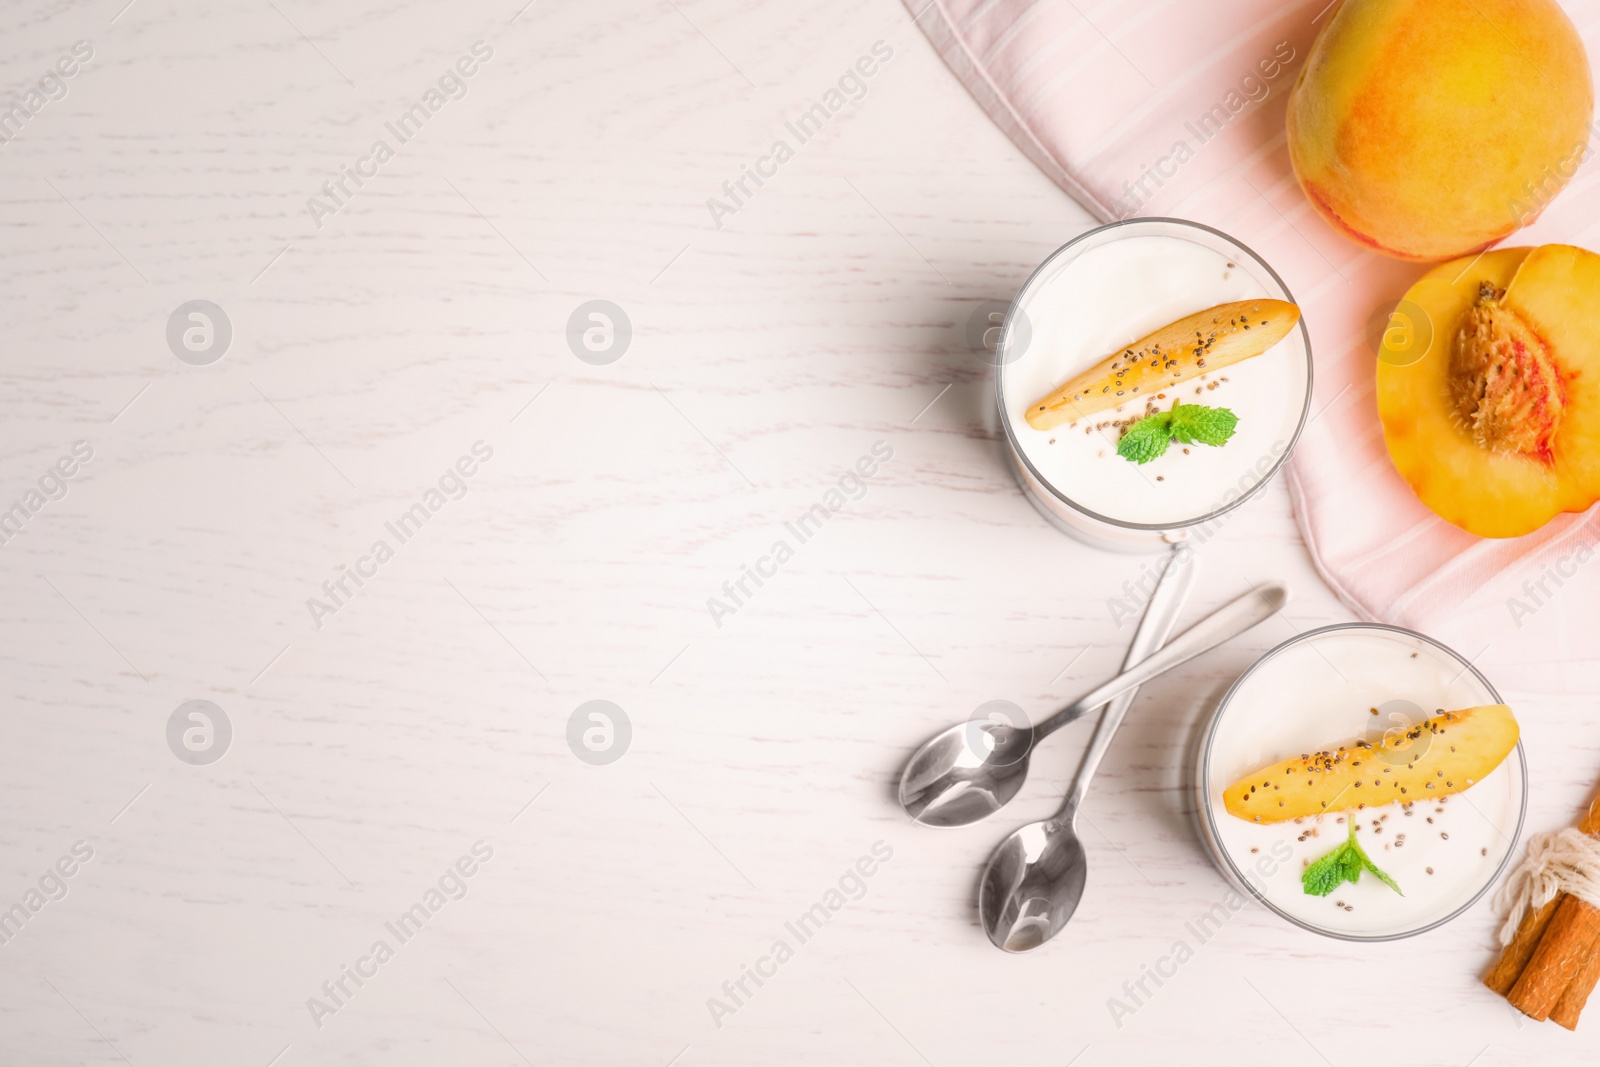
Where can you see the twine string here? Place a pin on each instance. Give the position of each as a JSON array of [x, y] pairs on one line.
[[1562, 861]]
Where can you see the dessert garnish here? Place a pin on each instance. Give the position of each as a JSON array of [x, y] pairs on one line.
[[1189, 424], [1441, 755], [1551, 960], [1343, 864], [1194, 345]]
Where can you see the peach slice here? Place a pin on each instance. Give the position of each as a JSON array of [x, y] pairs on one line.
[[1193, 345], [1462, 748]]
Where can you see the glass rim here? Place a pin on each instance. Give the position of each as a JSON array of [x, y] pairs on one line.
[[1152, 527], [1202, 788]]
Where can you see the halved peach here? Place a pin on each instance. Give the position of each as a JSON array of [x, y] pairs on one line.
[[1497, 426]]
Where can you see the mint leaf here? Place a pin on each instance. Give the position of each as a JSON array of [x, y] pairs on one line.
[[1366, 862], [1390, 882], [1146, 439], [1199, 424], [1344, 864], [1190, 424], [1326, 874]]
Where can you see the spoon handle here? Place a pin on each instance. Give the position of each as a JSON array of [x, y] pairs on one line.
[[1160, 616], [1226, 622]]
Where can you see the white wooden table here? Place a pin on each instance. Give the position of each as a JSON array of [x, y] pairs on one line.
[[378, 335]]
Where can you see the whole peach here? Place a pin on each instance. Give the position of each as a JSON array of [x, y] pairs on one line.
[[1427, 129]]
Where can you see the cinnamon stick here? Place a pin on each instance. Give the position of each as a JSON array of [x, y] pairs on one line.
[[1590, 823], [1567, 943], [1514, 958], [1576, 995]]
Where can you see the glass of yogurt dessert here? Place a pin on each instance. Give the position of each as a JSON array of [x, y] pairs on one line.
[[1349, 685], [1102, 292]]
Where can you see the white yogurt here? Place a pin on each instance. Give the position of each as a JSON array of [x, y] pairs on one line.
[[1316, 694], [1106, 297]]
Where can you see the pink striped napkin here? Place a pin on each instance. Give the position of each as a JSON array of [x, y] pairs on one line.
[[1170, 107]]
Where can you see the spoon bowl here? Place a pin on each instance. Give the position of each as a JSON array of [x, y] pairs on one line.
[[966, 773], [1032, 885]]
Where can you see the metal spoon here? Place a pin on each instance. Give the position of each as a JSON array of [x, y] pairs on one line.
[[971, 770], [1034, 880]]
